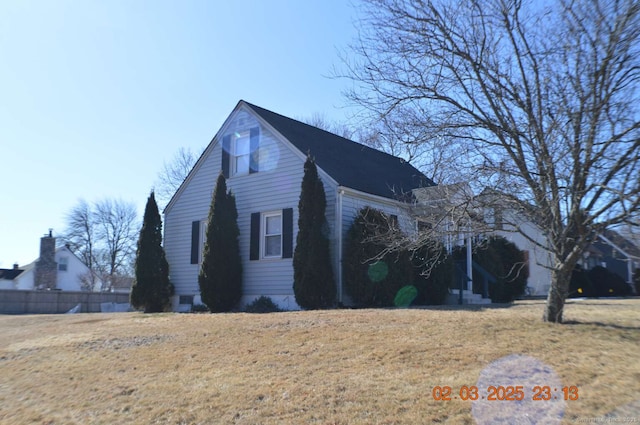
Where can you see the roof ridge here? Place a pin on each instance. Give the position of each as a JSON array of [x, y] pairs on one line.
[[377, 151]]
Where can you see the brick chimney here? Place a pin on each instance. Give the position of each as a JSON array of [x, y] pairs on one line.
[[46, 270]]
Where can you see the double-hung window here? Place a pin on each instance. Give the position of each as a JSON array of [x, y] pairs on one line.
[[272, 235], [241, 153], [63, 264], [198, 237]]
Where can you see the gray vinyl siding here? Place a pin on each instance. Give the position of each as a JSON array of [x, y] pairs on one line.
[[275, 187], [192, 204], [352, 204]]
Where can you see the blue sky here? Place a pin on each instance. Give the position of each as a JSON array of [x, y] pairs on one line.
[[97, 94]]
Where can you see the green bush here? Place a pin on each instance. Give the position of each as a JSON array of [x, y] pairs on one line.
[[369, 281], [262, 305], [199, 308], [433, 274], [515, 269], [636, 281], [504, 261], [608, 284], [581, 285]]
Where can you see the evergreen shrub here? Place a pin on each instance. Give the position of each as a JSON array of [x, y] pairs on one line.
[[371, 281]]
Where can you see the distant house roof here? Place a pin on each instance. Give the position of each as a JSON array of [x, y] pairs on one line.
[[10, 274], [349, 163], [622, 243]]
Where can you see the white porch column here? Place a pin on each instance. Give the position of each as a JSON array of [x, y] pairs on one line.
[[469, 264]]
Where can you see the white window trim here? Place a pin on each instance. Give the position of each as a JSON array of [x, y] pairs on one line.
[[233, 157], [203, 237], [263, 235]]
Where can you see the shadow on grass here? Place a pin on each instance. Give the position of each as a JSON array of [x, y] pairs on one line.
[[602, 325], [596, 301], [457, 307]]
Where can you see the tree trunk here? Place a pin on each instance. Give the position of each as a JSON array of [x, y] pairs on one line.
[[557, 295]]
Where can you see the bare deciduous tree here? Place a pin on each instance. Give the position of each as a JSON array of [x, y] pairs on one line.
[[80, 235], [117, 230], [322, 122], [173, 174], [545, 96], [403, 133], [104, 236]]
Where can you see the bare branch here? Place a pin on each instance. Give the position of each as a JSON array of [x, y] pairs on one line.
[[543, 99]]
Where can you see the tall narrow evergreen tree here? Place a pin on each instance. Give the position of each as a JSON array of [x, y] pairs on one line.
[[313, 283], [220, 277], [151, 288]]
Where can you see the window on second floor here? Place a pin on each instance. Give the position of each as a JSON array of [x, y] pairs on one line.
[[240, 153], [63, 264]]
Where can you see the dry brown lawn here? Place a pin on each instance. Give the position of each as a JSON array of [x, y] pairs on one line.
[[326, 367]]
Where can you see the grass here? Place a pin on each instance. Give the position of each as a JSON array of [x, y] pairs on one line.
[[324, 367]]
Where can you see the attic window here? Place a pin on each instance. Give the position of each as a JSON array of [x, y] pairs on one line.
[[240, 153], [63, 264]]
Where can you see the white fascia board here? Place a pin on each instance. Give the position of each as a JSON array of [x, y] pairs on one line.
[[369, 196]]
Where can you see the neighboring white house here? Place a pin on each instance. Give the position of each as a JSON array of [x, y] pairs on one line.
[[610, 249], [8, 277], [506, 221], [528, 237], [62, 270], [616, 253], [262, 154], [70, 272], [464, 217]]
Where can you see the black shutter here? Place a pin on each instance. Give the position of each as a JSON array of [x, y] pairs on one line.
[[393, 219], [226, 149], [254, 141], [195, 241], [287, 233], [254, 244]]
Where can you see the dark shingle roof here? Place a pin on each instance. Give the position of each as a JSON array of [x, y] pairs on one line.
[[621, 242], [10, 274], [349, 163]]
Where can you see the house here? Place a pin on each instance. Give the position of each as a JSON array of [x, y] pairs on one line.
[[57, 268], [8, 277], [614, 252], [610, 249], [448, 212], [262, 155]]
